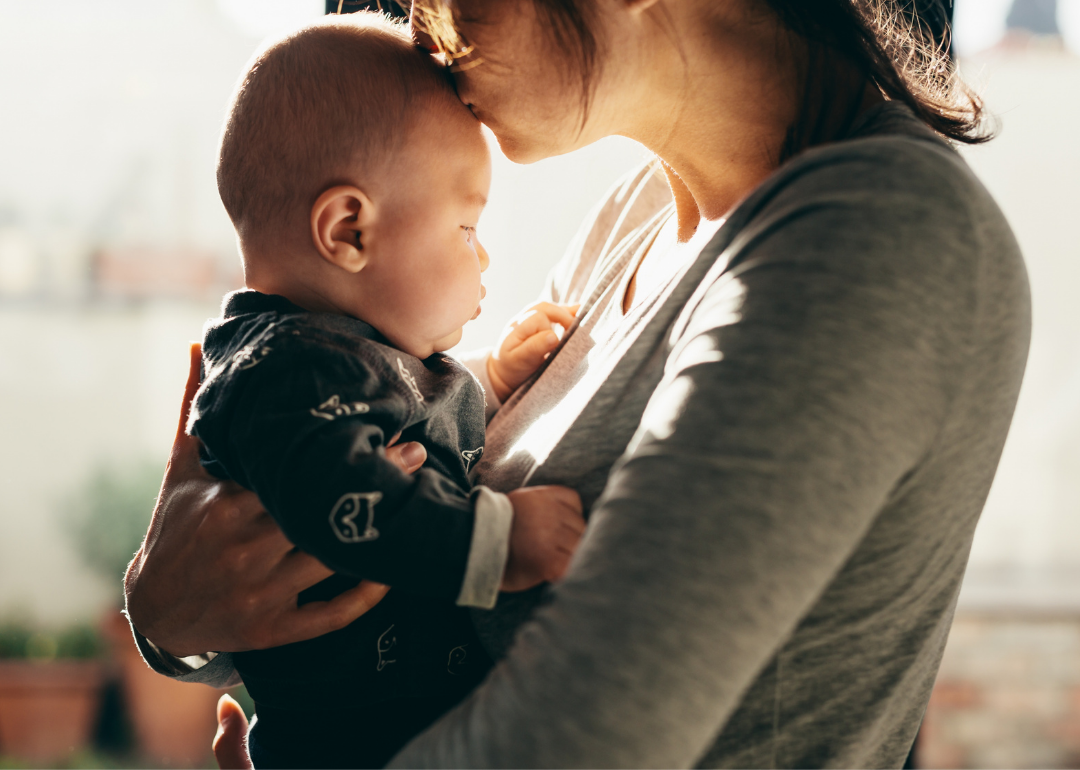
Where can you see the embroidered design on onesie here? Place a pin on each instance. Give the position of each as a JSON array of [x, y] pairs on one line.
[[470, 456], [254, 354], [410, 380], [353, 506], [456, 660], [383, 646], [251, 356], [333, 407]]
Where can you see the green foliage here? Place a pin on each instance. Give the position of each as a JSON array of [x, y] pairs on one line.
[[108, 515], [23, 641], [86, 759]]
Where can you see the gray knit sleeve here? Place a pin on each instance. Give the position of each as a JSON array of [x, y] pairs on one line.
[[803, 382], [215, 669]]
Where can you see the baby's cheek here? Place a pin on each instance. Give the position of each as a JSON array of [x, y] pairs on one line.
[[441, 309]]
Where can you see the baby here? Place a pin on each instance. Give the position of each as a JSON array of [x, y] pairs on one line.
[[355, 178]]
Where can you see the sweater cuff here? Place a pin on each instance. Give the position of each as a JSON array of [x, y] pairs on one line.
[[494, 515], [164, 663], [476, 362]]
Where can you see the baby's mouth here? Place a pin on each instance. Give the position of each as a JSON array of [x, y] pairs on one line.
[[483, 293]]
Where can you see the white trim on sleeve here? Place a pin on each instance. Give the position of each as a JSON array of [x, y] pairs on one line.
[[494, 514]]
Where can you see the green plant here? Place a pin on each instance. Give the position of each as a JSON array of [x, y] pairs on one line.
[[108, 515], [23, 641]]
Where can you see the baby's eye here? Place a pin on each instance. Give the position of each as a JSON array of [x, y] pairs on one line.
[[468, 232]]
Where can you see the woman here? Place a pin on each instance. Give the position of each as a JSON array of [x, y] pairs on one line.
[[801, 339]]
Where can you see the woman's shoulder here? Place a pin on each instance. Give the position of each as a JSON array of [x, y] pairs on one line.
[[890, 160], [891, 222], [893, 190]]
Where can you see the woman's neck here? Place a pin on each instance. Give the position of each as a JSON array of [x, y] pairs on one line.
[[722, 130]]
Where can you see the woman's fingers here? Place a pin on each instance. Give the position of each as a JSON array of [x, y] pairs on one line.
[[185, 450], [229, 749], [409, 457], [318, 618], [299, 571]]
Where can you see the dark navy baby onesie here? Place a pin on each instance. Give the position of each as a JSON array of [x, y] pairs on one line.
[[299, 407]]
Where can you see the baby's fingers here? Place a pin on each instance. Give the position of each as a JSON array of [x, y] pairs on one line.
[[559, 314], [558, 564], [527, 325], [534, 349]]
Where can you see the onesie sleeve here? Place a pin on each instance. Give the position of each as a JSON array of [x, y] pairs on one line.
[[307, 431]]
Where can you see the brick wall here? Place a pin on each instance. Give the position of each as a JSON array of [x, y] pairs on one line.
[[1007, 694]]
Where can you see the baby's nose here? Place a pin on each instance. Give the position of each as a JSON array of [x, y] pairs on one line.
[[481, 252]]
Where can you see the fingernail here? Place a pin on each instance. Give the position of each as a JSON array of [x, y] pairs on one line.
[[551, 338], [413, 453]]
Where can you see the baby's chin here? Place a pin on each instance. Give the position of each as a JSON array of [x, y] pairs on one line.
[[447, 342]]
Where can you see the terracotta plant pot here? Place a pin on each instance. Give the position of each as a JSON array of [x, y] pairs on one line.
[[47, 709], [173, 722]]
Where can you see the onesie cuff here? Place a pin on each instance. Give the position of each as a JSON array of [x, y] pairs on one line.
[[490, 548], [476, 362]]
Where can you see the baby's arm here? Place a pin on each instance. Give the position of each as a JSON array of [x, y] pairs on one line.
[[308, 434], [322, 473], [524, 345]]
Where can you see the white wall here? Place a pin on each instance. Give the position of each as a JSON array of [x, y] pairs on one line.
[[79, 387], [1027, 548]]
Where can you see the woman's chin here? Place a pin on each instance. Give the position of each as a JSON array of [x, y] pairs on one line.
[[521, 150]]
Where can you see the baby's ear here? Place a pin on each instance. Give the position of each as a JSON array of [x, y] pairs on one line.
[[338, 220]]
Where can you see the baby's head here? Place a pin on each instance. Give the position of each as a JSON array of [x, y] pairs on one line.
[[355, 178]]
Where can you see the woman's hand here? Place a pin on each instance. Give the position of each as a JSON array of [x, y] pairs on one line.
[[216, 573], [229, 749], [525, 343]]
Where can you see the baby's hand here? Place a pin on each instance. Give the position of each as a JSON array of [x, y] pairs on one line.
[[546, 530], [525, 343]]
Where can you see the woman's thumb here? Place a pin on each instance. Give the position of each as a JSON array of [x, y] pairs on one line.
[[229, 749]]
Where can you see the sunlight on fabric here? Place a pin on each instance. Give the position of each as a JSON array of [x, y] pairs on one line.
[[540, 438]]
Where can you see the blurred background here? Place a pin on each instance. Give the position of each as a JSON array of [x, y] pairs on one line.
[[114, 249]]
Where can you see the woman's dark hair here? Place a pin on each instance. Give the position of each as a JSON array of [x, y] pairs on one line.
[[900, 46]]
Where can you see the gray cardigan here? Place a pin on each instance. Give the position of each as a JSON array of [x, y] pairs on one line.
[[784, 453]]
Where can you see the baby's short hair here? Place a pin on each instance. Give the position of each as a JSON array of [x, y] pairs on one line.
[[331, 99]]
